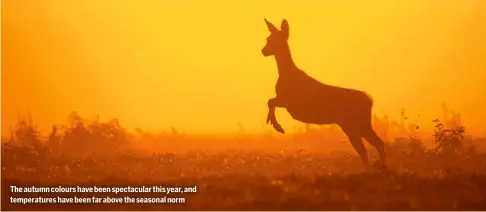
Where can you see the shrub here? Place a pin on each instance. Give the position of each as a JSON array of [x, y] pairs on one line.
[[448, 140]]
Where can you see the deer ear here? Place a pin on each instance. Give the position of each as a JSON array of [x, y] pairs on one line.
[[285, 28], [270, 26]]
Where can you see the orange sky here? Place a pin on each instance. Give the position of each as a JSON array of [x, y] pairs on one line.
[[197, 65]]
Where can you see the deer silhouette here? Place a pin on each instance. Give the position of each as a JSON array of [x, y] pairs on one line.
[[310, 101]]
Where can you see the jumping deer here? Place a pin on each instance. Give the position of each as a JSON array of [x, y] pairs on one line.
[[310, 101]]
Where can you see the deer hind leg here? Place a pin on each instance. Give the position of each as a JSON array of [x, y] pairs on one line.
[[370, 135], [356, 141], [272, 104]]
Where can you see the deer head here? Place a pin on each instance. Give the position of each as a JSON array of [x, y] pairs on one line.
[[277, 41]]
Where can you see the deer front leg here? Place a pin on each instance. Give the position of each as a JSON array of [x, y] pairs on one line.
[[272, 104]]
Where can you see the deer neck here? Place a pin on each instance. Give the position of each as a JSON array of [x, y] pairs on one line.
[[285, 63]]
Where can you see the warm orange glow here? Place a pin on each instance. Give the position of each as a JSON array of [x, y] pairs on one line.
[[197, 65]]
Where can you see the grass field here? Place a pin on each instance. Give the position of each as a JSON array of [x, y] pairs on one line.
[[239, 174]]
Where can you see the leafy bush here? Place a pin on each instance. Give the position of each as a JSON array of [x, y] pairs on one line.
[[78, 138], [448, 140]]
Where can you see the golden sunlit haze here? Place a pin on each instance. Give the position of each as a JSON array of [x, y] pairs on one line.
[[197, 65]]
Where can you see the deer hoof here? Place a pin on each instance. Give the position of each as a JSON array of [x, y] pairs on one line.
[[379, 166], [279, 128]]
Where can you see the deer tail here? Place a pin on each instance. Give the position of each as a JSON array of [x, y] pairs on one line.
[[370, 99]]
